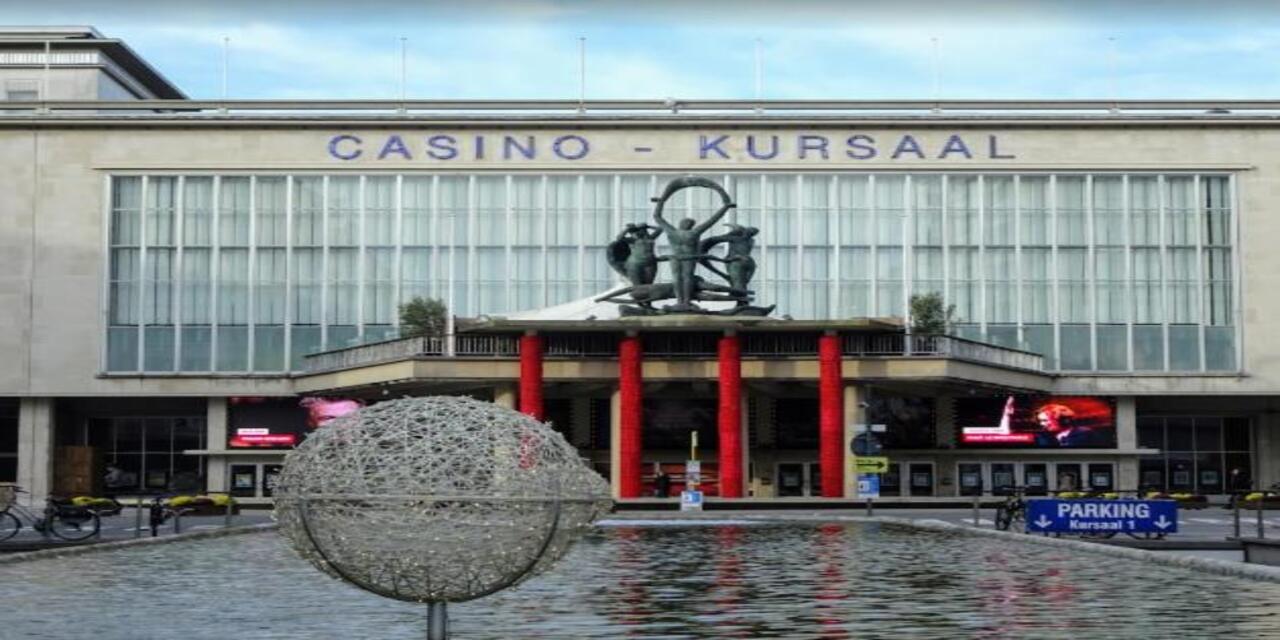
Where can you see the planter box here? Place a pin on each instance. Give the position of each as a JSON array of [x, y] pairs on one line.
[[206, 510], [1265, 503]]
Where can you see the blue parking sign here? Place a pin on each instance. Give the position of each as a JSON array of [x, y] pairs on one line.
[[1047, 515]]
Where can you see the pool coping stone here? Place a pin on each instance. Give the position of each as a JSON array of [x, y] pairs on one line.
[[81, 549]]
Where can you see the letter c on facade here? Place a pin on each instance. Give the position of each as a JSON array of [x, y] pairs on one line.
[[352, 154]]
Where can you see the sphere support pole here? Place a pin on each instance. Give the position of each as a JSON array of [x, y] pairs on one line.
[[437, 621]]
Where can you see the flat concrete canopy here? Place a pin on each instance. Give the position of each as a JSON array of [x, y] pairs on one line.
[[583, 353]]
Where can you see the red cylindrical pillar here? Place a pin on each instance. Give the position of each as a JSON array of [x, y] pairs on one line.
[[730, 417], [830, 416], [630, 410], [531, 375]]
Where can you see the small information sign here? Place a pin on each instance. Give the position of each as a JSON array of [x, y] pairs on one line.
[[869, 485], [691, 501], [693, 472], [871, 464]]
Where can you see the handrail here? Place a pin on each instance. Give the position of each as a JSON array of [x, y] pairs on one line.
[[692, 345], [671, 106]]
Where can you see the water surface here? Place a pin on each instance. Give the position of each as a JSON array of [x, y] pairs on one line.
[[847, 580]]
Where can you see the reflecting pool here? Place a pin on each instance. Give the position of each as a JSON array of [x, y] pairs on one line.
[[744, 580]]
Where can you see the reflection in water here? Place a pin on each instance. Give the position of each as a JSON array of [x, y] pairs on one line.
[[737, 581]]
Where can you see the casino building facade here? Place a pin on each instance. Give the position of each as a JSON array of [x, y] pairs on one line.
[[189, 287]]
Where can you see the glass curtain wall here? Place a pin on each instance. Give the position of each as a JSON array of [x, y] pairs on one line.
[[248, 273], [1198, 454]]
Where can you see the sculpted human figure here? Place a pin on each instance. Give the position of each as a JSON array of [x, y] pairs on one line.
[[632, 253], [739, 266], [685, 239]]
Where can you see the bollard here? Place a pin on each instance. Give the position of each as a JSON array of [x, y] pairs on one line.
[[976, 506], [1261, 531], [870, 510], [226, 521], [137, 520], [177, 521], [1235, 517]]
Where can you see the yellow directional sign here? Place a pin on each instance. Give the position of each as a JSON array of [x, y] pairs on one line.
[[871, 464]]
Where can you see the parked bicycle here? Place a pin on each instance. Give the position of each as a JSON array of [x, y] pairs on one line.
[[60, 519], [1012, 513]]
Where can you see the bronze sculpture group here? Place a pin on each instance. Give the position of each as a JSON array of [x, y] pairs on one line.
[[633, 254]]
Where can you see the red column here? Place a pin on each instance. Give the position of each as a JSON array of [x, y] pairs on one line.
[[830, 417], [630, 358], [531, 375], [730, 416]]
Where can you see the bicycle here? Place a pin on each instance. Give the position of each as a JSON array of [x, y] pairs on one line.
[[1013, 511], [60, 519]]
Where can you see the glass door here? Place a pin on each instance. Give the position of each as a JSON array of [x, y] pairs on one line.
[[920, 475], [970, 475], [1068, 477], [891, 481], [1004, 476], [1035, 477], [790, 479], [1101, 477]]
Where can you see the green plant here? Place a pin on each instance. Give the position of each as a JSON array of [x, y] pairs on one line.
[[423, 317], [929, 315]]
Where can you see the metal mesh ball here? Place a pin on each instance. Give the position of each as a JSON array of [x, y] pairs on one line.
[[439, 499]]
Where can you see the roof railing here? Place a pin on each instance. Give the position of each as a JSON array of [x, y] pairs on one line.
[[669, 107], [678, 345]]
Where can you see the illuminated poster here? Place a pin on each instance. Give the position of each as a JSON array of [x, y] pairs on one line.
[[280, 423], [1036, 421]]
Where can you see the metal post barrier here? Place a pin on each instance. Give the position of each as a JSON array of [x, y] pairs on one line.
[[1235, 516], [976, 499], [870, 510], [137, 519], [177, 521], [226, 518], [1261, 531]]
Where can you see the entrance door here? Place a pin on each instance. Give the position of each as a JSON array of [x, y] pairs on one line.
[[970, 475], [814, 488], [791, 479], [1004, 476], [891, 481], [1035, 477], [1101, 477], [920, 478], [1068, 477]]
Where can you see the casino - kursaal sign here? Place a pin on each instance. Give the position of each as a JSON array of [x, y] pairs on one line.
[[1046, 515], [750, 148]]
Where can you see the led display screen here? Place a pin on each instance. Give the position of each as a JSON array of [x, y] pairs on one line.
[[275, 423], [1036, 421]]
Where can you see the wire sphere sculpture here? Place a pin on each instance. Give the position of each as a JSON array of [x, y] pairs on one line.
[[436, 499]]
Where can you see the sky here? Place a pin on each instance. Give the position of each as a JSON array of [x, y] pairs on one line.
[[926, 49]]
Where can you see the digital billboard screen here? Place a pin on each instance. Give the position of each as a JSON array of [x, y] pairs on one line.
[[280, 423], [1032, 421]]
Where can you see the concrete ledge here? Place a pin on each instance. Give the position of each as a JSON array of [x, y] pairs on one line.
[[81, 549], [1208, 565]]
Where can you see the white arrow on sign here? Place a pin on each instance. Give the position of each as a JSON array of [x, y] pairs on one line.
[[1163, 522], [1043, 522]]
